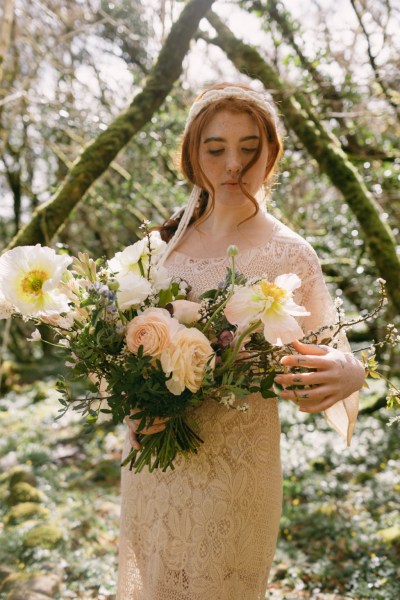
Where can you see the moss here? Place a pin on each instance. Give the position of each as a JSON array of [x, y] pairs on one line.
[[24, 585], [391, 535], [320, 464], [5, 571], [24, 511], [106, 472], [362, 477], [20, 474], [24, 492], [327, 510], [10, 377], [14, 581], [43, 536]]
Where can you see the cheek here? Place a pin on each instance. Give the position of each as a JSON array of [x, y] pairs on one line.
[[208, 167]]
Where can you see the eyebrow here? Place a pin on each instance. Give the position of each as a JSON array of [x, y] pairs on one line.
[[220, 139]]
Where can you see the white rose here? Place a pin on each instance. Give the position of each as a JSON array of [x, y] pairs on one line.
[[132, 291], [160, 278], [185, 311]]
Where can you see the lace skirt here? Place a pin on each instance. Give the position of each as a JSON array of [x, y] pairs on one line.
[[208, 529]]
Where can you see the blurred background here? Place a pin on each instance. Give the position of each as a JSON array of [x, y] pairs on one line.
[[68, 70]]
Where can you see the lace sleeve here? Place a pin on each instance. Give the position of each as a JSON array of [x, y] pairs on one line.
[[315, 297]]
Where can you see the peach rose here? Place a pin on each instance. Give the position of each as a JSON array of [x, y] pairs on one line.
[[185, 311], [186, 358], [153, 329]]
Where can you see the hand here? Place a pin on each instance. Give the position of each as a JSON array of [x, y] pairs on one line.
[[336, 375], [133, 424]]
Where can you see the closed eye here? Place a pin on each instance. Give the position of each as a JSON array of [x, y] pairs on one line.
[[221, 150]]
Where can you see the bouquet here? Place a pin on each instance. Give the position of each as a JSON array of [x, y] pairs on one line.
[[143, 349]]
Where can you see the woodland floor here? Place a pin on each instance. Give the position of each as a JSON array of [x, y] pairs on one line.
[[339, 531]]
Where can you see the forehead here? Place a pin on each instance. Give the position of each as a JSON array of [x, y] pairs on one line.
[[226, 123]]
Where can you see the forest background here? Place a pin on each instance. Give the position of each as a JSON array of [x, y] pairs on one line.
[[93, 100]]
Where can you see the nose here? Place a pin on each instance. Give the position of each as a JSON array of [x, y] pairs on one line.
[[233, 164]]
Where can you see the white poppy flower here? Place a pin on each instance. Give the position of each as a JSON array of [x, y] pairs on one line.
[[29, 276], [272, 304]]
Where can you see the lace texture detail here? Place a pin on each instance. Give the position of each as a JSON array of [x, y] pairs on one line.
[[208, 529]]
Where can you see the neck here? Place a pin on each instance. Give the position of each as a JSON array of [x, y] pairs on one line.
[[225, 221]]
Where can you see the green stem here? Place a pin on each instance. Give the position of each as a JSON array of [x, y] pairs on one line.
[[237, 348], [229, 296], [141, 267]]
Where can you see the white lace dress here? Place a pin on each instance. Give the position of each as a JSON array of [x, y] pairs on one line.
[[208, 529]]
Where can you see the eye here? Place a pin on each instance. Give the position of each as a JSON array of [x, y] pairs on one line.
[[216, 152], [249, 150]]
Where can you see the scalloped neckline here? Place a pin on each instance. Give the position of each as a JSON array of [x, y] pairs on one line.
[[241, 252]]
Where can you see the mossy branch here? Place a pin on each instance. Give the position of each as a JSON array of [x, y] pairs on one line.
[[98, 155]]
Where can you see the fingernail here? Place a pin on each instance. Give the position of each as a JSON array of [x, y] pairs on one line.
[[278, 379]]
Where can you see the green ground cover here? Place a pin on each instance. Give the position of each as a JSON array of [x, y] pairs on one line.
[[340, 535]]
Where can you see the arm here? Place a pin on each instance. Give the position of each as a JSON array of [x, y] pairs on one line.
[[336, 375]]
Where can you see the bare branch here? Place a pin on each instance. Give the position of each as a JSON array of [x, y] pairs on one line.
[[5, 32]]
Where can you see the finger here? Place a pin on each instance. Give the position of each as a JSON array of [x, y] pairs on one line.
[[313, 378], [131, 423], [316, 407], [133, 440], [307, 361], [153, 429], [306, 397], [313, 349], [160, 421]]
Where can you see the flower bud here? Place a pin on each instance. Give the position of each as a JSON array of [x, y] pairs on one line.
[[113, 284], [232, 250]]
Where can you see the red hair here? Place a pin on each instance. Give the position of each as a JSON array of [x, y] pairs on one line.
[[190, 164]]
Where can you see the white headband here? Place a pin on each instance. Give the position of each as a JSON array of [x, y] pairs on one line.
[[198, 105], [231, 91]]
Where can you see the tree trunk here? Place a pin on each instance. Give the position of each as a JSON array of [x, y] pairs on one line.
[[95, 159], [326, 150], [5, 31]]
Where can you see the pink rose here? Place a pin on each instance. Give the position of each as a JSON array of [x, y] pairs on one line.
[[153, 329], [185, 311]]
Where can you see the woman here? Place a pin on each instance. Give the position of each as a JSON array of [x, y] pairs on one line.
[[208, 529]]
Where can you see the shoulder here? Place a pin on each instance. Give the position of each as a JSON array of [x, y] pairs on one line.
[[292, 243]]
